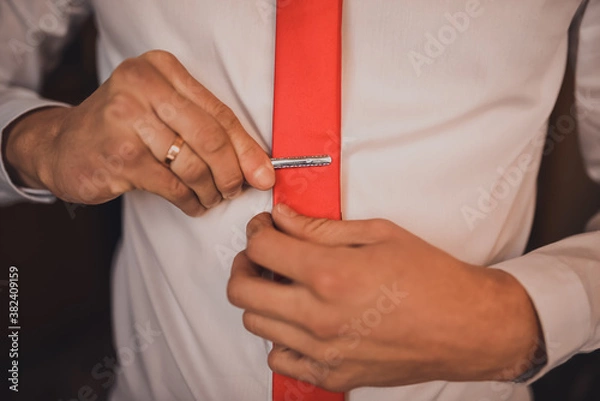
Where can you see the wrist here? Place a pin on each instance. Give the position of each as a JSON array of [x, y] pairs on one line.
[[521, 348], [27, 144]]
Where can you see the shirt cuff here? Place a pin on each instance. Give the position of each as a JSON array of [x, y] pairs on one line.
[[9, 112], [561, 303]]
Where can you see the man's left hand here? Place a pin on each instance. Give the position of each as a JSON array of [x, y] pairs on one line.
[[368, 303]]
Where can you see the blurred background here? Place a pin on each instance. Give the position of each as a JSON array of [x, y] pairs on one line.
[[64, 254]]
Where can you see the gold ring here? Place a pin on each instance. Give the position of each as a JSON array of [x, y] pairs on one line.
[[174, 150]]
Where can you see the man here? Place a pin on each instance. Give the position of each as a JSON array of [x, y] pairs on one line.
[[445, 107]]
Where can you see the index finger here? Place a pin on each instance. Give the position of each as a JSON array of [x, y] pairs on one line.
[[248, 290], [296, 259], [254, 161]]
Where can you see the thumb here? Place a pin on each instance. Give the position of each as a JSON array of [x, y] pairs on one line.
[[325, 231], [254, 161]]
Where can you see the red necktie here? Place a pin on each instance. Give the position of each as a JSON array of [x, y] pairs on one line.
[[306, 122]]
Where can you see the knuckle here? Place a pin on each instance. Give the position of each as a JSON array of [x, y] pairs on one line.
[[237, 260], [317, 225], [213, 140], [322, 328], [233, 293], [130, 151], [383, 227], [123, 68], [195, 210], [253, 247], [213, 200], [248, 150], [313, 348], [231, 185], [132, 70], [146, 128], [225, 116], [250, 322], [176, 189], [160, 57], [121, 106], [200, 210], [327, 282], [194, 171], [118, 187], [273, 362], [113, 156], [133, 156]]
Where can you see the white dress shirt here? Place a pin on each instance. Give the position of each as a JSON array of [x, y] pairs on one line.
[[445, 110]]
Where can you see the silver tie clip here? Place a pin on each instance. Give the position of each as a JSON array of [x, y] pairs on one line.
[[301, 161]]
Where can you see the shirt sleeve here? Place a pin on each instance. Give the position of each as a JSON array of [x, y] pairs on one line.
[[563, 279], [32, 36]]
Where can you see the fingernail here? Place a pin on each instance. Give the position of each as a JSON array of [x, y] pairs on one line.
[[252, 228], [213, 203], [264, 177], [234, 194], [285, 210]]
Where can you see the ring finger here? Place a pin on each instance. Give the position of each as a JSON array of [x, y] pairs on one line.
[[186, 165], [196, 174]]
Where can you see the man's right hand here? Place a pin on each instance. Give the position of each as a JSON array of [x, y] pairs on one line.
[[117, 140]]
